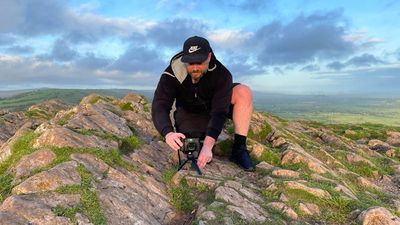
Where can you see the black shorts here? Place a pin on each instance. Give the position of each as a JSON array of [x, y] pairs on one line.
[[188, 122]]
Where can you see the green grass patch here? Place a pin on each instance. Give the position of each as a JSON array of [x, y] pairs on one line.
[[21, 147], [182, 198], [361, 168], [96, 98], [271, 157], [5, 186], [168, 174], [68, 212], [129, 144], [126, 106], [65, 118], [262, 135], [90, 203]]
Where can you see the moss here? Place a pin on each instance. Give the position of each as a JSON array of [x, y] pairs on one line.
[[271, 157], [90, 203], [129, 144], [126, 106], [97, 98]]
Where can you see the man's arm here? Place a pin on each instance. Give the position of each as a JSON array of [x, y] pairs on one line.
[[164, 97]]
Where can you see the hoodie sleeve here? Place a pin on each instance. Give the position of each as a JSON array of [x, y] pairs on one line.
[[164, 97], [220, 102]]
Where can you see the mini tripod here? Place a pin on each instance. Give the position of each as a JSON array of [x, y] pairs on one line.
[[189, 156]]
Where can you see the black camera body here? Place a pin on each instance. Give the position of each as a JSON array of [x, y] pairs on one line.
[[191, 145]]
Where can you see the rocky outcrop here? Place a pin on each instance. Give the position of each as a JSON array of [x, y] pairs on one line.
[[75, 160], [10, 122]]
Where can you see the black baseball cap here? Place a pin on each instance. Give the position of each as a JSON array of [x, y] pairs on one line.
[[195, 50]]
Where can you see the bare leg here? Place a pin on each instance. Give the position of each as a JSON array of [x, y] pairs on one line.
[[242, 100]]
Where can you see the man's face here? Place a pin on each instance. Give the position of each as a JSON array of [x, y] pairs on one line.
[[197, 70]]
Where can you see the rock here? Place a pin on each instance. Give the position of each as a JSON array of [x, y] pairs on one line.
[[366, 183], [97, 118], [257, 150], [279, 142], [378, 216], [345, 190], [390, 153], [63, 137], [82, 219], [350, 132], [296, 154], [264, 166], [37, 209], [128, 196], [6, 148], [354, 158], [47, 109], [284, 209], [378, 145], [61, 175], [208, 215], [309, 209], [314, 191], [285, 173], [248, 210], [265, 181], [283, 198], [10, 123], [393, 138], [8, 218], [396, 204], [36, 160]]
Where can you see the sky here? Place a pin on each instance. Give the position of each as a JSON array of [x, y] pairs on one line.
[[282, 46]]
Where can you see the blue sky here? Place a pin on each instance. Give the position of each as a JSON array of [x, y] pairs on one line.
[[286, 46]]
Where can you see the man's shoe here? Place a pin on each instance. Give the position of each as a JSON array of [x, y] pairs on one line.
[[241, 157]]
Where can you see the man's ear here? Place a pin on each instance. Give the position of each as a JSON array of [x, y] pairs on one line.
[[209, 56]]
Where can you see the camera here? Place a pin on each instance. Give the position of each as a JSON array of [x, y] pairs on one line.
[[191, 145]]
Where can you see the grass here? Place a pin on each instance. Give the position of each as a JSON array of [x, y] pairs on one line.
[[182, 198], [225, 147], [129, 144], [271, 157], [262, 135], [21, 147], [90, 203], [5, 186], [64, 120], [126, 106]]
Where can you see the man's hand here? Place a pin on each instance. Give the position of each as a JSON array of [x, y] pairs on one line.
[[174, 140], [206, 155]]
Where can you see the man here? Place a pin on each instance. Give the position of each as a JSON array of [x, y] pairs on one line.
[[205, 96]]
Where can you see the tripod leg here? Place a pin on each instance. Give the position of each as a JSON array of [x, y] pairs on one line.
[[194, 164], [181, 165]]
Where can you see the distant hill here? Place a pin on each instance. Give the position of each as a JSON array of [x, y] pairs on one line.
[[21, 101], [323, 108]]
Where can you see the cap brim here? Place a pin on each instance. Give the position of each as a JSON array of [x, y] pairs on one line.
[[198, 58]]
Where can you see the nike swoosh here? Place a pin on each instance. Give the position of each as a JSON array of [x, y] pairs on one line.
[[193, 49]]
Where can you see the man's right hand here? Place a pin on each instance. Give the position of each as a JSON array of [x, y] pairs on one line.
[[174, 140]]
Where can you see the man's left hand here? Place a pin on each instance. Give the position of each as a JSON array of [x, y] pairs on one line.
[[206, 154]]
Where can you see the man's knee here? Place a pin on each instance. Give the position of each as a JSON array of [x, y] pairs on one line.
[[241, 93]]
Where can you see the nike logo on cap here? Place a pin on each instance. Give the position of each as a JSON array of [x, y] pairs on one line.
[[193, 48]]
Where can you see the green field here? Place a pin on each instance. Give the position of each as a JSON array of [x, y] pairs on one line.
[[22, 101], [345, 109]]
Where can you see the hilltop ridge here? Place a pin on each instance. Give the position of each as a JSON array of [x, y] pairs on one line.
[[103, 162]]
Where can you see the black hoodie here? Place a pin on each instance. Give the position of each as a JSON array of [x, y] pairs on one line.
[[211, 95]]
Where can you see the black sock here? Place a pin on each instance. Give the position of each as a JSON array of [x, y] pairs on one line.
[[239, 140]]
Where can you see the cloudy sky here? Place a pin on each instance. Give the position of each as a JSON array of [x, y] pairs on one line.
[[282, 46]]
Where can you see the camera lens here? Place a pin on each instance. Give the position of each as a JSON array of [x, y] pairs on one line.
[[191, 146]]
